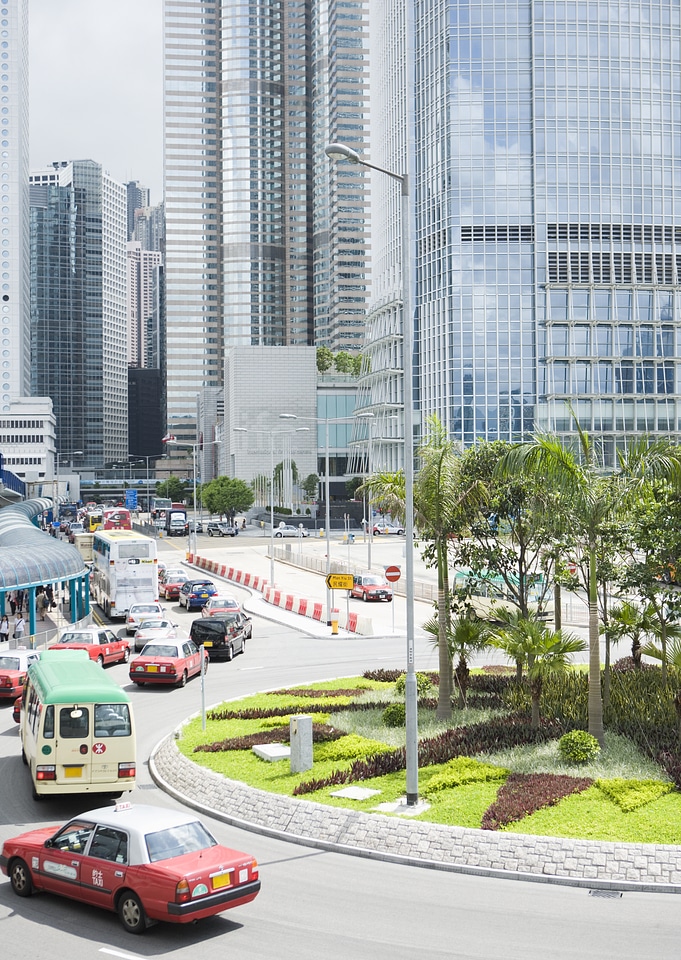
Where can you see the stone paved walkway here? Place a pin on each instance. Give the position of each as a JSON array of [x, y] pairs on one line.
[[598, 865]]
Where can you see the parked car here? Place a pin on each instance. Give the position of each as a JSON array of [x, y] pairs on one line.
[[217, 605], [195, 593], [170, 583], [167, 662], [221, 529], [142, 611], [75, 527], [288, 530], [14, 666], [145, 863], [195, 525], [102, 645], [223, 637], [385, 527], [371, 586], [151, 631]]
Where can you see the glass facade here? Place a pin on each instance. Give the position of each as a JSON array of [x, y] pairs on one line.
[[547, 145], [78, 299]]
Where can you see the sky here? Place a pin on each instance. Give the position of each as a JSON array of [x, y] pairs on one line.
[[96, 86]]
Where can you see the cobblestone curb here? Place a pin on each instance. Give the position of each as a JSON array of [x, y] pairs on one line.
[[588, 863]]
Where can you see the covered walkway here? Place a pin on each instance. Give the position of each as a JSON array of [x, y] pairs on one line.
[[30, 559]]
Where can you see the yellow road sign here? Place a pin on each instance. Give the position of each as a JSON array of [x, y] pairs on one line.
[[339, 581]]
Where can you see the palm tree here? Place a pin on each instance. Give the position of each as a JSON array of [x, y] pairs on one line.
[[465, 637], [441, 498], [545, 651], [590, 499], [630, 621], [670, 657]]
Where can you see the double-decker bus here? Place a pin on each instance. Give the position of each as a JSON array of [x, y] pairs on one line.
[[76, 727], [117, 518], [125, 571]]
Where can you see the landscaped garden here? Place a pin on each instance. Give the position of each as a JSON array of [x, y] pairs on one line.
[[491, 767]]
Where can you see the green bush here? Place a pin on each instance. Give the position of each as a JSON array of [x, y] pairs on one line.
[[578, 746], [460, 771], [394, 715], [350, 747], [632, 794], [423, 685]]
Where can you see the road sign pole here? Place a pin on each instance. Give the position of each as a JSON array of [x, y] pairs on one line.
[[392, 575]]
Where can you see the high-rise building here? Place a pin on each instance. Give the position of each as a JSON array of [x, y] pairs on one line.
[[548, 215], [15, 378], [144, 305], [137, 198], [150, 227], [78, 307], [253, 92]]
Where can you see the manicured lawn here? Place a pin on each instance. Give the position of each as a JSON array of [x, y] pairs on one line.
[[628, 808]]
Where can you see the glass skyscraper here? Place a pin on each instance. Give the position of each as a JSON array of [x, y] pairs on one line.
[[547, 144]]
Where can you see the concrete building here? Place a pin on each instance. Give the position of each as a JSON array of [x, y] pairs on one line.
[[144, 303], [137, 198], [249, 220], [15, 375], [78, 307]]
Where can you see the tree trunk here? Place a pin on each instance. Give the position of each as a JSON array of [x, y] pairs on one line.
[[535, 691], [444, 696], [557, 606], [462, 674], [606, 671], [595, 700]]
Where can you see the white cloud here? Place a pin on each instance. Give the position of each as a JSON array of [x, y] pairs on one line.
[[96, 86]]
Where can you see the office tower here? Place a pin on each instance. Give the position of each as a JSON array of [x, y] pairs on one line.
[[245, 130], [144, 305], [137, 198], [548, 214], [150, 227], [15, 304], [78, 307]]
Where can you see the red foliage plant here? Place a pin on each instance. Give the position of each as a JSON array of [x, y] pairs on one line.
[[524, 793]]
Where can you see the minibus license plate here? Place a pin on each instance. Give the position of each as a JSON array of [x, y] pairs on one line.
[[73, 772]]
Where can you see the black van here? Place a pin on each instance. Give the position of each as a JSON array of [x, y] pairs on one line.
[[223, 637]]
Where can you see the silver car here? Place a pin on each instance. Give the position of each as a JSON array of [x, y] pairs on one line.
[[152, 631]]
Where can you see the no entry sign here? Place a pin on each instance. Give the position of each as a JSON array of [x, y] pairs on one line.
[[393, 574]]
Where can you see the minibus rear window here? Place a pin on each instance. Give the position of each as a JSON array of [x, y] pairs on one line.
[[74, 723]]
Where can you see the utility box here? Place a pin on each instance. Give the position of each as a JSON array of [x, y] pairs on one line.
[[301, 743]]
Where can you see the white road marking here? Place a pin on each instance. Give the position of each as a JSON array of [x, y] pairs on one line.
[[117, 953]]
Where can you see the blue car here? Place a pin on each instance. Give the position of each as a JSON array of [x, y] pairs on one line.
[[195, 593]]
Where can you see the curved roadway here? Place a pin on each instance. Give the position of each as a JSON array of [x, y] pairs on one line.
[[317, 904]]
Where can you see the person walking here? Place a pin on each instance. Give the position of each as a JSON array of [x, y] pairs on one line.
[[13, 602], [19, 628], [43, 604], [20, 602], [4, 629]]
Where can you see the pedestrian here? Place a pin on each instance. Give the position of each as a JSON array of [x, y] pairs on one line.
[[13, 602], [4, 629], [19, 627], [20, 602], [49, 590], [43, 604]]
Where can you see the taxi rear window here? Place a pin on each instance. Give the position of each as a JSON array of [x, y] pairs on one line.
[[178, 840]]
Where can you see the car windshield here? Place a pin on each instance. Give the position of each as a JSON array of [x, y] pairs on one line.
[[153, 625], [160, 650], [10, 663], [202, 586], [373, 581], [139, 608], [76, 638], [176, 841]]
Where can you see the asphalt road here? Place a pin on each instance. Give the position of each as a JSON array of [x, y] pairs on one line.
[[314, 903]]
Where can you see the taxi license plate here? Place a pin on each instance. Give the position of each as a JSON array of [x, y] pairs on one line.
[[152, 668], [221, 880], [73, 772]]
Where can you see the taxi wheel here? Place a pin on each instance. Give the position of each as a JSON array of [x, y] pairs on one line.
[[182, 682], [20, 878], [230, 653], [131, 912], [100, 660], [365, 597], [243, 645], [126, 655]]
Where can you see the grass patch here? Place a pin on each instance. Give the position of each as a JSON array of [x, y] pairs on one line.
[[631, 800]]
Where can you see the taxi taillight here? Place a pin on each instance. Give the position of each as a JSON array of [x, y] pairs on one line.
[[182, 891], [126, 771]]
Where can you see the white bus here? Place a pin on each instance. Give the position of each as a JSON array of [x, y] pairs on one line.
[[125, 571]]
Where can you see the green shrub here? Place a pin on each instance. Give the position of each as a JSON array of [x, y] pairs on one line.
[[423, 685], [394, 715], [631, 794], [578, 746], [460, 771], [350, 747]]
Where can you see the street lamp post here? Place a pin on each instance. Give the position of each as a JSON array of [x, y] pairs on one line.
[[194, 448], [367, 415], [340, 151]]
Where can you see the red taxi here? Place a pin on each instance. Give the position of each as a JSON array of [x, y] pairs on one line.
[[217, 606], [14, 666], [102, 645], [168, 662], [371, 586], [170, 582], [144, 863]]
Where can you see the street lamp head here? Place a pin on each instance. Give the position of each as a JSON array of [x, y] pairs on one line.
[[365, 415], [339, 151], [288, 416]]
